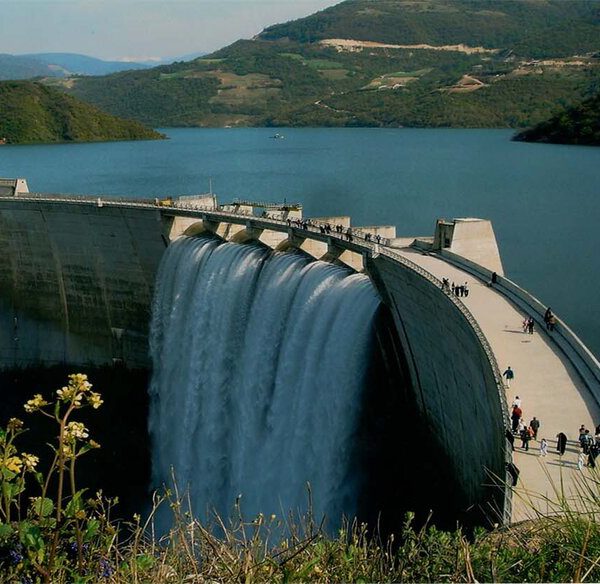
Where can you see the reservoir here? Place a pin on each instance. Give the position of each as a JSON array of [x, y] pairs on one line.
[[542, 199]]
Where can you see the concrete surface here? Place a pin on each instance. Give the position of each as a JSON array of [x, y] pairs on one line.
[[546, 382]]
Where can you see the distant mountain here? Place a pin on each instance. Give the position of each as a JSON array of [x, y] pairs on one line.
[[72, 63], [32, 112], [59, 65], [18, 67], [440, 63], [576, 125]]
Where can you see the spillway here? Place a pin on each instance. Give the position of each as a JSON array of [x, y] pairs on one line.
[[260, 363]]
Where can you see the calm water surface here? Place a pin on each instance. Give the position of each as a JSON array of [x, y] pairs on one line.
[[544, 200]]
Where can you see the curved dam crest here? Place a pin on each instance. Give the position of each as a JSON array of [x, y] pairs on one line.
[[72, 304]]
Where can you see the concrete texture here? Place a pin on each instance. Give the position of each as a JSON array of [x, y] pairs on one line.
[[547, 383], [76, 282], [471, 238], [452, 379]]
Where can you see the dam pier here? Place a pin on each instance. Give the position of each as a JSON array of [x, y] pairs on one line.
[[78, 277]]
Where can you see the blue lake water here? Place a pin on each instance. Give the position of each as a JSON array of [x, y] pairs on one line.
[[544, 200]]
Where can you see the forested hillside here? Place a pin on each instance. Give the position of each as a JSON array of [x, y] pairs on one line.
[[31, 112], [453, 63], [575, 125]]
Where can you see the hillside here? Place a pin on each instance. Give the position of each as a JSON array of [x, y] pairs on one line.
[[31, 112], [575, 125], [454, 63]]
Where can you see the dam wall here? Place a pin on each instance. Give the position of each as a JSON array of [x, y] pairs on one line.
[[76, 282], [457, 399]]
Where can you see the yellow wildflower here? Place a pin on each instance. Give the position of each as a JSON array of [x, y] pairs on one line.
[[15, 424], [67, 451], [13, 463], [76, 430], [79, 382], [35, 403], [29, 460], [94, 444], [95, 400]]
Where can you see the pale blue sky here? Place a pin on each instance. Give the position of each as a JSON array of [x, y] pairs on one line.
[[139, 29]]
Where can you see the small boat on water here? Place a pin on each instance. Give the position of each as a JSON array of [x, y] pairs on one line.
[[278, 137]]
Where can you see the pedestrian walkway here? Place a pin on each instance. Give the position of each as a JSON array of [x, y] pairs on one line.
[[547, 384]]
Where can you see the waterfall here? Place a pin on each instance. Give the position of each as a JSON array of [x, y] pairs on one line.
[[259, 367]]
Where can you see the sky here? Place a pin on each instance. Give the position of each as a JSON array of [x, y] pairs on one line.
[[139, 29]]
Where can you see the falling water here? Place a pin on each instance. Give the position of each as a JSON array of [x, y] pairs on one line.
[[260, 361]]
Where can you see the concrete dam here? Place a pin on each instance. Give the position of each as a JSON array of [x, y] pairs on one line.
[[403, 378]]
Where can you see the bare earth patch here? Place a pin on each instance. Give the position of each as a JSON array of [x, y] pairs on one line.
[[350, 45]]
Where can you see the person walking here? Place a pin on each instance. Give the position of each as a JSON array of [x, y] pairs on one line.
[[547, 316], [525, 438], [543, 447], [534, 424], [466, 289], [516, 417], [561, 443], [581, 460], [530, 325], [509, 374]]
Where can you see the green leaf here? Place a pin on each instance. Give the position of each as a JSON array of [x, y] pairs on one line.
[[6, 530], [31, 536], [144, 562], [92, 529], [8, 475], [43, 507], [75, 504]]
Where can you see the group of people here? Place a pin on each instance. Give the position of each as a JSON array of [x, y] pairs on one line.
[[528, 325], [457, 290], [525, 432], [589, 447], [326, 229]]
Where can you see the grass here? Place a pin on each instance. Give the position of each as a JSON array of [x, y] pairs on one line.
[[67, 536]]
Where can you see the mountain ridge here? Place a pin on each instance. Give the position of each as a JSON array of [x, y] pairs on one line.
[[401, 63]]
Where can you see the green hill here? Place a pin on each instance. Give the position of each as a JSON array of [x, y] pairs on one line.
[[454, 63], [32, 112], [575, 125]]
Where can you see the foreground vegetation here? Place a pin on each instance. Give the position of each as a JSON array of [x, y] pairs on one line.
[[53, 531], [32, 112]]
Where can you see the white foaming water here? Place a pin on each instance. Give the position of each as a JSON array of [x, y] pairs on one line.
[[259, 367]]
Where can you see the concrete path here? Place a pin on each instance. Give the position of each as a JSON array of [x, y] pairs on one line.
[[547, 384]]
